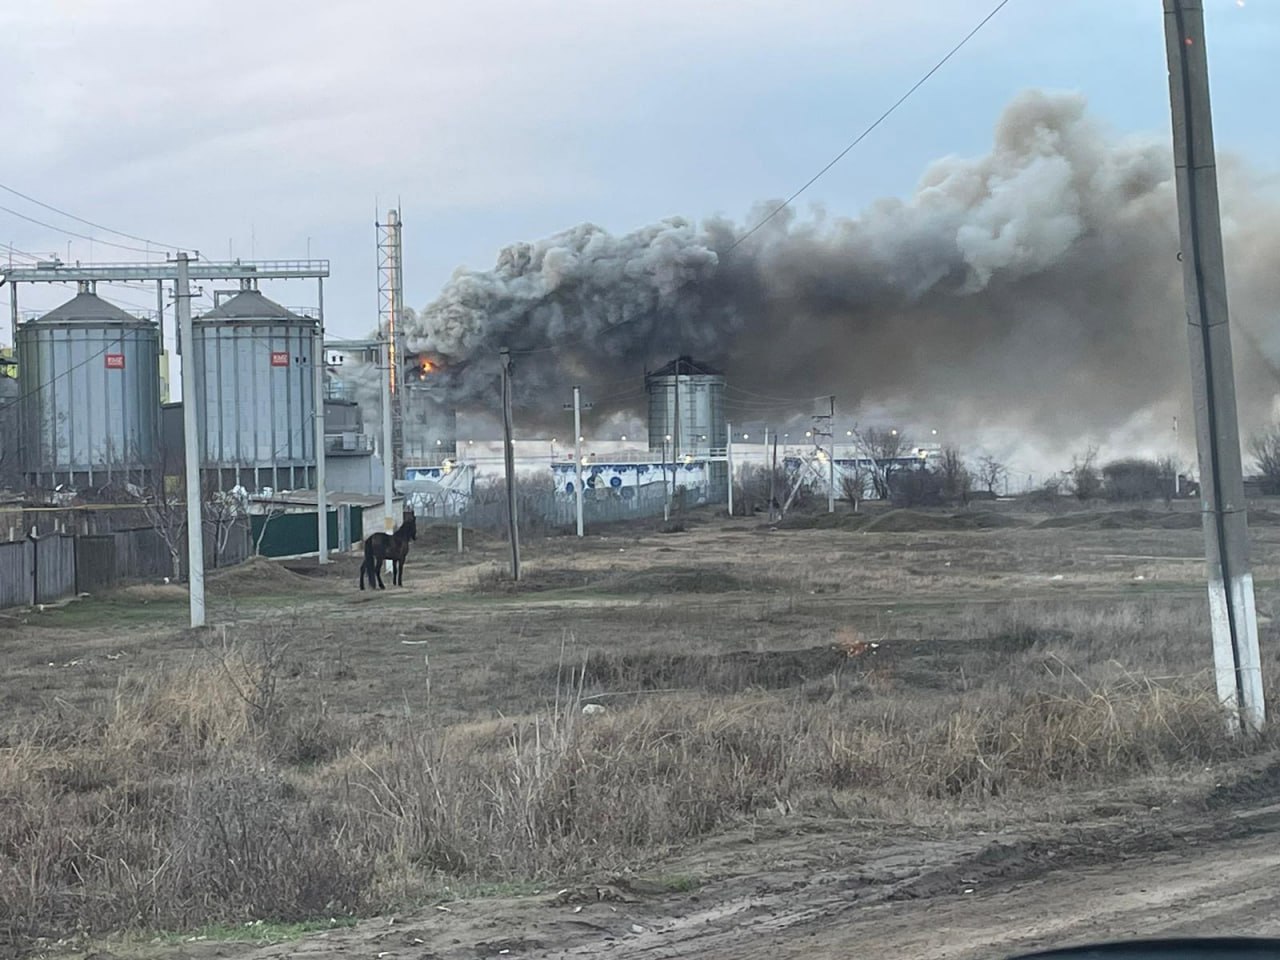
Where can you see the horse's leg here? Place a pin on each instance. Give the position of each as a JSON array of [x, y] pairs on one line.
[[382, 562]]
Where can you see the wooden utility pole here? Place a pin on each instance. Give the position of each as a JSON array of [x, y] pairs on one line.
[[1232, 615], [509, 458], [577, 454]]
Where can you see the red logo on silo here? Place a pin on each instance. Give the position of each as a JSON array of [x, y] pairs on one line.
[[279, 358], [115, 361]]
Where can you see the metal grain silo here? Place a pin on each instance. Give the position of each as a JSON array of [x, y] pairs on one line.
[[686, 403], [255, 393], [693, 391], [90, 406]]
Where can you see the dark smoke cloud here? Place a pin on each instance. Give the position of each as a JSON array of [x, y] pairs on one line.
[[1032, 293]]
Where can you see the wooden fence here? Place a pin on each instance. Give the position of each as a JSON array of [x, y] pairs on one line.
[[44, 569]]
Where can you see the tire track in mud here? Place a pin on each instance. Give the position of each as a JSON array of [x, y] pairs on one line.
[[1206, 870]]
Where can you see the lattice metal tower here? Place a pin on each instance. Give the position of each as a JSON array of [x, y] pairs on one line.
[[390, 325]]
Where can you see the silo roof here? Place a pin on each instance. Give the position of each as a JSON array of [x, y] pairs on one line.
[[686, 367], [87, 308], [251, 305]]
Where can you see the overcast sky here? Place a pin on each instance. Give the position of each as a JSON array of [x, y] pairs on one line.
[[257, 128]]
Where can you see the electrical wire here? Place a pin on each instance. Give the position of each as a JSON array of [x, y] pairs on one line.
[[82, 236], [876, 123], [88, 223]]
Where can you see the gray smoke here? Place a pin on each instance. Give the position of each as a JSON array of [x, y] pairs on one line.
[[1033, 293]]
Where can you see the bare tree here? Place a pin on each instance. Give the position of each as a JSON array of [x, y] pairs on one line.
[[1085, 481], [853, 483], [224, 512], [1265, 448], [884, 448], [991, 473], [956, 481], [165, 512]]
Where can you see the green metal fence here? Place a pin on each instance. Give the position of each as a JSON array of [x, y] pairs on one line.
[[290, 534]]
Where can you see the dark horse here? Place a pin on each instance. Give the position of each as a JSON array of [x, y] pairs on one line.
[[380, 547]]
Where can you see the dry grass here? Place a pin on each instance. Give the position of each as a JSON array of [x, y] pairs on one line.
[[313, 767], [201, 797]]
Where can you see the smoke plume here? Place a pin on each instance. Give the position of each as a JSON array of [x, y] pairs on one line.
[[1033, 293]]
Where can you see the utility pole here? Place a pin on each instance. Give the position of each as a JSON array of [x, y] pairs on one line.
[[191, 435], [388, 454], [322, 504], [1233, 618], [509, 458], [831, 463], [577, 452], [728, 456], [773, 471], [675, 430]]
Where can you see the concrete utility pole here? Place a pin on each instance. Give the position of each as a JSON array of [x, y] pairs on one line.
[[577, 453], [831, 463], [191, 431], [728, 456], [1232, 614], [322, 504], [509, 458], [388, 455]]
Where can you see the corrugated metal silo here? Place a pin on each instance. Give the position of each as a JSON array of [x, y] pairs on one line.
[[686, 403], [90, 404], [696, 391], [255, 393]]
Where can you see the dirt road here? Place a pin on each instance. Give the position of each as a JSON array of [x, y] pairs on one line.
[[823, 897]]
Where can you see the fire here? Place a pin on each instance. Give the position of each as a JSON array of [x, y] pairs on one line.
[[427, 365]]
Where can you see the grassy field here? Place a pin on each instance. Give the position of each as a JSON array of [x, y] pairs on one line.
[[318, 754]]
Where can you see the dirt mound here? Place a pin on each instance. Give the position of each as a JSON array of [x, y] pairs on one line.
[[725, 673], [1136, 518], [678, 579], [990, 520], [444, 536], [1260, 517], [535, 580], [255, 575], [915, 521], [824, 521]]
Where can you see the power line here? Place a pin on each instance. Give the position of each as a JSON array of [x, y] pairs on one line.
[[89, 223], [82, 236], [879, 120]]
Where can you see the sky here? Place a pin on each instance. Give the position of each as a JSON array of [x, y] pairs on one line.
[[278, 128]]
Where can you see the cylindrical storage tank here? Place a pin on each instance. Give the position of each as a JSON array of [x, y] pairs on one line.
[[254, 364], [430, 419], [686, 403], [9, 439], [90, 389]]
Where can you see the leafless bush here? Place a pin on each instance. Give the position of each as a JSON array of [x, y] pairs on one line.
[[1083, 478], [1265, 448], [1134, 478]]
